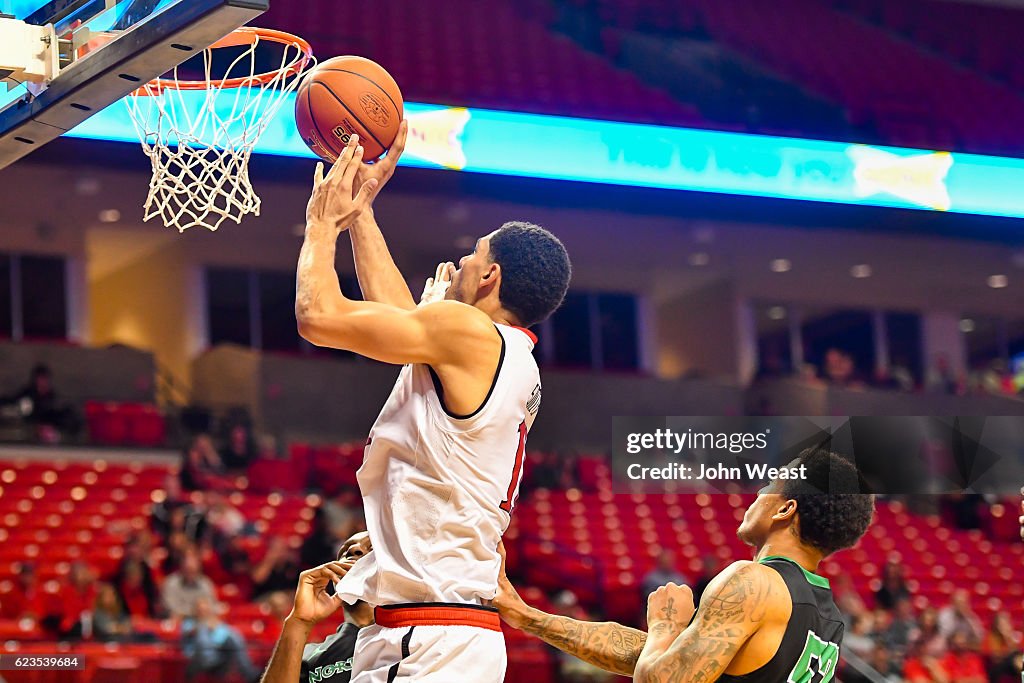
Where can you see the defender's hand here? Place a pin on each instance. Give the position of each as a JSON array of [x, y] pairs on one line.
[[312, 603], [670, 608], [437, 286], [333, 201], [382, 169], [510, 606]]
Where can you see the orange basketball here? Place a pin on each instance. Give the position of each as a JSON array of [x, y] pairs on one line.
[[347, 95]]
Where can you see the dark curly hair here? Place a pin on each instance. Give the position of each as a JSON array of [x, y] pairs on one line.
[[535, 271], [833, 513]]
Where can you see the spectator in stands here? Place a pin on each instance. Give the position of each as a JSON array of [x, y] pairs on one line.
[[319, 547], [902, 629], [664, 572], [110, 622], [201, 467], [239, 451], [961, 663], [183, 589], [921, 667], [175, 512], [134, 581], [213, 647], [942, 378], [929, 641], [882, 661], [861, 638], [178, 545], [28, 601], [894, 585], [840, 369], [76, 601], [277, 571], [1001, 649], [847, 599], [39, 407], [958, 619]]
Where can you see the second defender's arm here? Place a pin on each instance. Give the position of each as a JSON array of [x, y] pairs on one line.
[[610, 646]]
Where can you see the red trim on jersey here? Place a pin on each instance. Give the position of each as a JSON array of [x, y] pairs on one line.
[[446, 615], [529, 334]]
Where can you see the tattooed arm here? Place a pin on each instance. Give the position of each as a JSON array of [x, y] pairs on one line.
[[733, 608], [607, 645]]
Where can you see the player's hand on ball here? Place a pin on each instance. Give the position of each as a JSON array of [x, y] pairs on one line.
[[670, 608], [312, 603], [333, 202], [436, 287], [382, 169]]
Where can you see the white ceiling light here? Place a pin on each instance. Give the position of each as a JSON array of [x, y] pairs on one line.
[[998, 281], [777, 313], [700, 258], [781, 265], [967, 325], [861, 271], [110, 216]]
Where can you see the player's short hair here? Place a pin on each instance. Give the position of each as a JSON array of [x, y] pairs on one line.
[[832, 510], [535, 270]]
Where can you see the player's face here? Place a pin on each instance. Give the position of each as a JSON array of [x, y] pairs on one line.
[[471, 269], [355, 547], [757, 520]]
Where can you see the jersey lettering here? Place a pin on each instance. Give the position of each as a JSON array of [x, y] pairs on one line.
[[517, 470], [818, 659]]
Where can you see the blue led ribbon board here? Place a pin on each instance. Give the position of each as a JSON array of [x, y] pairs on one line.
[[585, 150]]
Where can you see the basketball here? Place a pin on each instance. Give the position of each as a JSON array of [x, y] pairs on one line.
[[347, 95]]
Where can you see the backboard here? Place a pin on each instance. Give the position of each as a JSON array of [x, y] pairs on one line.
[[105, 49]]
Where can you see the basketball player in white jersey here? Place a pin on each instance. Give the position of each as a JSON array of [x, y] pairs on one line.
[[442, 465]]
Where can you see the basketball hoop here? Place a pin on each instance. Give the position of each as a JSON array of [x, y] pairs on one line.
[[200, 134]]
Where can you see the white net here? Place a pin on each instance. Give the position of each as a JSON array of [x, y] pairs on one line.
[[199, 135]]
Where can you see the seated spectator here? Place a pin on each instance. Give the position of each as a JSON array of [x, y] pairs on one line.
[[942, 378], [850, 604], [175, 512], [958, 619], [212, 647], [894, 585], [861, 638], [239, 452], [38, 406], [664, 572], [110, 622], [1001, 649], [134, 581], [929, 641], [961, 664], [178, 545], [902, 629], [321, 545], [840, 370], [223, 518], [277, 571], [183, 589], [76, 600], [920, 667], [28, 601], [201, 467], [882, 661]]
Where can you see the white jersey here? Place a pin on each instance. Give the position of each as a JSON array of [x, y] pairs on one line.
[[438, 489]]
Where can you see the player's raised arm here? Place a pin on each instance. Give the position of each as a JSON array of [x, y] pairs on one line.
[[379, 277], [734, 606], [438, 334], [610, 646]]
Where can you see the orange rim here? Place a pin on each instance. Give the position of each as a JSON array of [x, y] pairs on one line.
[[243, 36]]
